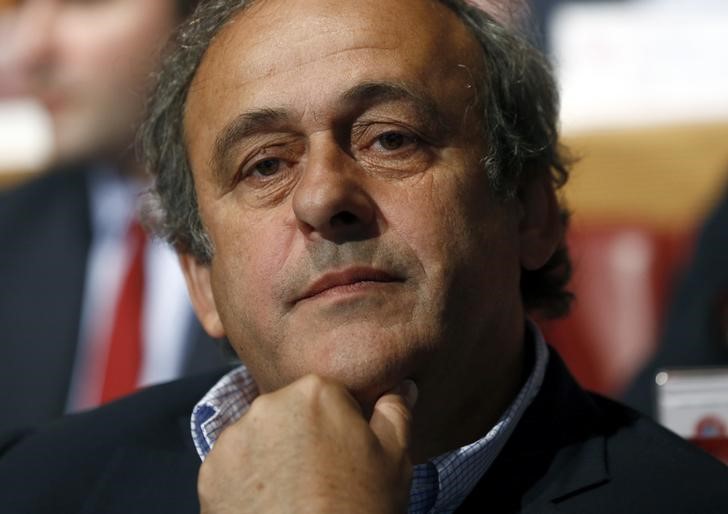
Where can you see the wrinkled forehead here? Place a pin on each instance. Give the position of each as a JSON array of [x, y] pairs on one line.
[[274, 39]]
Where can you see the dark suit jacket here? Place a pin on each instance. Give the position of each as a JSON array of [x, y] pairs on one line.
[[45, 237], [572, 452]]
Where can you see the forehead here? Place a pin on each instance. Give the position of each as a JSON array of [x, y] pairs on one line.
[[300, 50]]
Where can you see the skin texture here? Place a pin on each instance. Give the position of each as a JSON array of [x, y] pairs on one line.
[[336, 143], [294, 447], [88, 63]]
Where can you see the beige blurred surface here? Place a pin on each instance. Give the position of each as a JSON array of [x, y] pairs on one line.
[[666, 177], [11, 177]]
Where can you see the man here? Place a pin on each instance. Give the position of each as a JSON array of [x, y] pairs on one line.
[[68, 238], [362, 196]]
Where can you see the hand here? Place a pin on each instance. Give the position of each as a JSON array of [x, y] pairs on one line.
[[307, 448]]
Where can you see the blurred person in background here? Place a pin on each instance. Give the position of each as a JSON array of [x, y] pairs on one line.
[[695, 332], [89, 309]]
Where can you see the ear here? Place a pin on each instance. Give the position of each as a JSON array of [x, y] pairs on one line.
[[197, 276], [540, 227]]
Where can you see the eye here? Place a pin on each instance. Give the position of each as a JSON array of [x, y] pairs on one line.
[[391, 140], [393, 147], [267, 167], [263, 171], [394, 140]]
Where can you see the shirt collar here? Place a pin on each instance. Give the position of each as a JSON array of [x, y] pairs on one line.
[[439, 485]]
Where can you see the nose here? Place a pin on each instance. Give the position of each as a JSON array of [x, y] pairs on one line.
[[331, 200], [30, 45]]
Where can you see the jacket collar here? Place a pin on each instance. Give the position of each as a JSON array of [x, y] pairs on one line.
[[557, 450]]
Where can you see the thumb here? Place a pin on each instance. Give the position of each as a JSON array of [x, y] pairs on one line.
[[392, 416]]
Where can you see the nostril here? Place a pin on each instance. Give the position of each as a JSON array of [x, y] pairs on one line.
[[344, 218]]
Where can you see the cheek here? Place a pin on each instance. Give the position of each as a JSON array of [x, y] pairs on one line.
[[239, 289], [248, 261], [248, 256], [458, 232], [430, 217], [261, 243]]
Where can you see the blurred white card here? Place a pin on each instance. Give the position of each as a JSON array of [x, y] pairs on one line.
[[694, 402], [26, 135]]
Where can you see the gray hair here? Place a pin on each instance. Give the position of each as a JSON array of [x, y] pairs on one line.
[[518, 95]]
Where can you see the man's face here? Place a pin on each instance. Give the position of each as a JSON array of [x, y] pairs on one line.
[[88, 63], [335, 147]]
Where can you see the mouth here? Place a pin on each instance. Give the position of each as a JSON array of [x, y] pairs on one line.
[[347, 281]]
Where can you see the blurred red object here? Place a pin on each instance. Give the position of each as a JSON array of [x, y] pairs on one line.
[[623, 274], [716, 446]]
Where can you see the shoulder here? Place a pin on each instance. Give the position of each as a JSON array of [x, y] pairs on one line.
[[649, 469], [153, 408], [39, 199], [640, 449], [584, 453], [140, 440]]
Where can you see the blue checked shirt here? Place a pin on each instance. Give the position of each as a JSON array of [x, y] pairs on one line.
[[438, 486]]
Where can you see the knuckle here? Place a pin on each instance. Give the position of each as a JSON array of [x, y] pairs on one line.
[[396, 408], [316, 393], [314, 387], [312, 383], [259, 404]]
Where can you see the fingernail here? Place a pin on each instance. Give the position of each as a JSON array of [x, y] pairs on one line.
[[409, 392]]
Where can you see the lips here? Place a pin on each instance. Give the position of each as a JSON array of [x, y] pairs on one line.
[[344, 278]]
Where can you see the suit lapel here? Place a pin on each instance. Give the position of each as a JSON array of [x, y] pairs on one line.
[[556, 451], [149, 477]]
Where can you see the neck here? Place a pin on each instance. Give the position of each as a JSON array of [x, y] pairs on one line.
[[454, 416]]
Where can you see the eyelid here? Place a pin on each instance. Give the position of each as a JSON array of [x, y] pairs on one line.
[[246, 168], [415, 155], [359, 131]]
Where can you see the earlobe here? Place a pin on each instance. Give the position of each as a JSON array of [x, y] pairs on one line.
[[540, 228], [199, 285]]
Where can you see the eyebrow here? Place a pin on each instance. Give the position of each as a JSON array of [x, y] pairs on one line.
[[373, 93], [244, 125], [359, 97]]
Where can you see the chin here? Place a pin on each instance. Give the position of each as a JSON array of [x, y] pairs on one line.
[[367, 373]]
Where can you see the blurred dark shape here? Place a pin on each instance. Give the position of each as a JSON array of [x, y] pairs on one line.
[[695, 330]]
